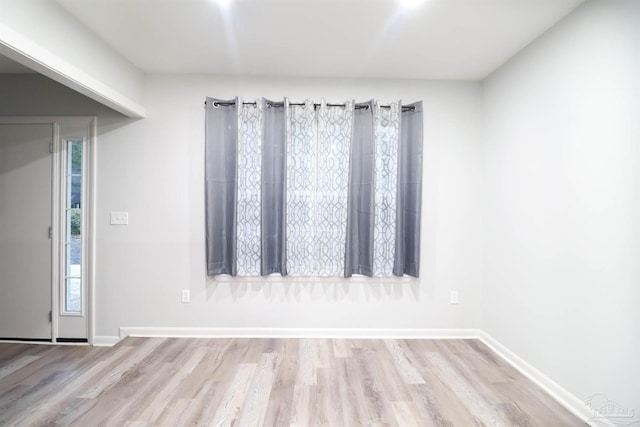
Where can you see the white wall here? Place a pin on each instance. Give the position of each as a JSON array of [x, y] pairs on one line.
[[153, 169], [561, 282], [42, 35]]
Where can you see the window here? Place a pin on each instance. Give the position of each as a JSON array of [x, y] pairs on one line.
[[313, 189], [73, 228]]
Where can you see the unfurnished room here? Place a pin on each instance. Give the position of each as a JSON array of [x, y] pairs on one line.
[[319, 212]]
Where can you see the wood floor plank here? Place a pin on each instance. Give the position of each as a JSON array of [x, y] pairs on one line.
[[196, 408], [342, 394], [278, 411], [270, 382], [84, 376], [28, 375], [157, 383], [307, 362], [39, 379], [128, 385], [229, 409], [407, 414], [255, 404], [171, 415], [117, 372], [403, 360], [471, 397], [369, 393], [382, 364], [15, 364], [9, 351], [164, 393]]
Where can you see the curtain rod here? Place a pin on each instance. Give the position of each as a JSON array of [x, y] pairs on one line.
[[315, 105]]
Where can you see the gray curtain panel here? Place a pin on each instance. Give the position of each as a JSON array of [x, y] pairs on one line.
[[274, 178], [360, 203], [409, 207], [221, 134]]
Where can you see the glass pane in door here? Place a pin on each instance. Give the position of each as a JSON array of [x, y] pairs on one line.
[[73, 234]]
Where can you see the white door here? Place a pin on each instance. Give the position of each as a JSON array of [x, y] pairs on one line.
[[25, 221]]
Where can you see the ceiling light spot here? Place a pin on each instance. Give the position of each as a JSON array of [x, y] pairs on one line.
[[410, 3]]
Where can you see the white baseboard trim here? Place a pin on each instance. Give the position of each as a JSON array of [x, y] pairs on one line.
[[105, 341], [297, 333], [559, 393]]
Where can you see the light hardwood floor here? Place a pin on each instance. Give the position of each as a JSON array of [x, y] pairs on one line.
[[270, 382]]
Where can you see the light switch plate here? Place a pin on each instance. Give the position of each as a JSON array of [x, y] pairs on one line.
[[119, 218], [453, 297]]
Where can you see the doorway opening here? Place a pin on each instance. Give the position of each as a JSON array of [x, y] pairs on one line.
[[51, 299]]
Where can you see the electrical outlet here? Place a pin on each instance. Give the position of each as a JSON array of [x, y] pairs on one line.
[[453, 297], [119, 218], [186, 295]]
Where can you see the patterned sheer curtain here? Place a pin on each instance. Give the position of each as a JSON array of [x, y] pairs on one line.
[[387, 134], [301, 190], [317, 187], [313, 189], [248, 172]]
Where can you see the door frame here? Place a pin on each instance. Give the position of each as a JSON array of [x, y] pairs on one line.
[[63, 129]]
